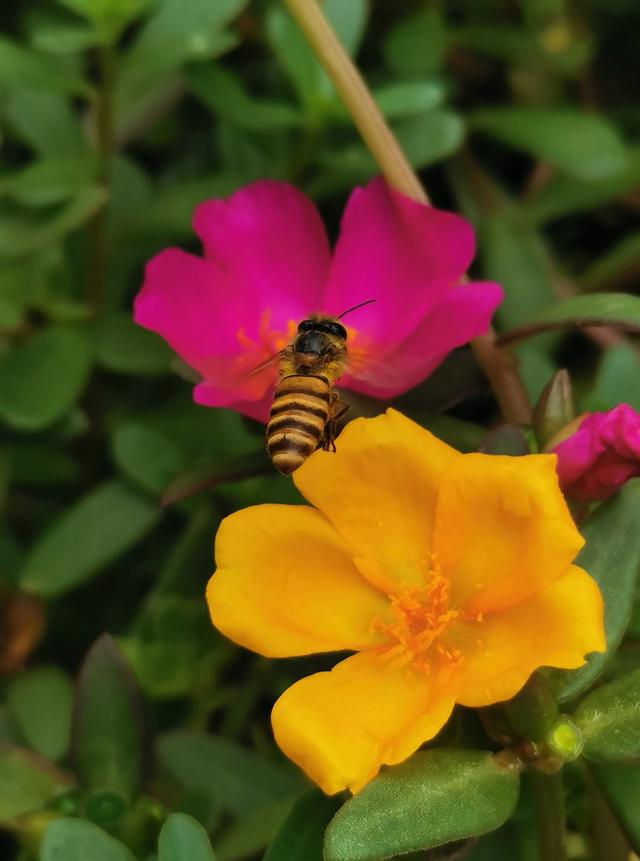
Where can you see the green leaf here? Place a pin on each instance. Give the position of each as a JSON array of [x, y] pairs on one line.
[[95, 531], [521, 48], [301, 836], [109, 17], [616, 381], [126, 348], [170, 644], [621, 787], [463, 435], [76, 840], [583, 145], [11, 314], [505, 843], [22, 68], [240, 779], [263, 490], [621, 261], [611, 555], [407, 98], [180, 574], [45, 121], [56, 35], [42, 463], [222, 92], [433, 798], [250, 834], [11, 554], [566, 194], [41, 380], [297, 59], [431, 137], [51, 180], [8, 732], [505, 439], [170, 211], [619, 310], [514, 256], [27, 782], [425, 139], [181, 28], [532, 713], [207, 476], [608, 718], [22, 234], [417, 45], [130, 199], [40, 704], [179, 31], [147, 456], [183, 839], [109, 739], [194, 428], [349, 21]]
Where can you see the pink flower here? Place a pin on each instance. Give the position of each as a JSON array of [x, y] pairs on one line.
[[601, 454], [267, 265]]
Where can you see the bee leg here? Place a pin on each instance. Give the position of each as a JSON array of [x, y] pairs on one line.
[[338, 409]]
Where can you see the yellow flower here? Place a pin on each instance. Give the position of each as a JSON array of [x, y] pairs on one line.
[[449, 575]]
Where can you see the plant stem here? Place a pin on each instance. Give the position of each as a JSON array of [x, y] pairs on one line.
[[548, 798], [355, 94], [499, 367], [609, 842], [104, 146]]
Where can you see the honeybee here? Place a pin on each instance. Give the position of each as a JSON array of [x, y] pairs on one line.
[[306, 407]]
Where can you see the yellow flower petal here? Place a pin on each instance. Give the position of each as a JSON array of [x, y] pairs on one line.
[[556, 628], [503, 529], [286, 585], [379, 491], [341, 726]]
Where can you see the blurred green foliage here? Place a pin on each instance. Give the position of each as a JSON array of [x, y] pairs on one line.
[[117, 118]]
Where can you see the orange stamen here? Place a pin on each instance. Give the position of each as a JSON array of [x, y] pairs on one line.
[[268, 342], [420, 615]]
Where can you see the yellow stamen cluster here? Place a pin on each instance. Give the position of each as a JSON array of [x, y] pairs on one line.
[[420, 614]]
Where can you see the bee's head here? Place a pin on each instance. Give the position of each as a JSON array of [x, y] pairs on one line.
[[315, 335]]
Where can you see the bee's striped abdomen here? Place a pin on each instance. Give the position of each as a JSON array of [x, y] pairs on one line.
[[298, 417]]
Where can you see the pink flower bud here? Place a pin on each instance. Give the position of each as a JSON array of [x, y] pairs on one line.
[[600, 455]]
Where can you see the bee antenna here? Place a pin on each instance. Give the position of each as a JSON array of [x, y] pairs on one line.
[[355, 308]]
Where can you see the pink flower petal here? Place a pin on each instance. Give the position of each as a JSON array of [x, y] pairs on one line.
[[184, 299], [403, 254], [267, 266], [462, 314], [602, 454], [271, 243]]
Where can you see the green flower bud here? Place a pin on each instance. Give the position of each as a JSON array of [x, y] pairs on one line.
[[565, 739], [105, 806], [555, 408]]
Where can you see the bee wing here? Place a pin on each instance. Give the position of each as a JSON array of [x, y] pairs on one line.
[[379, 371], [359, 366], [272, 360]]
